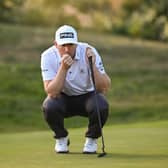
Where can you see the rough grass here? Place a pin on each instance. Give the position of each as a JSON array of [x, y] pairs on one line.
[[141, 145], [138, 70]]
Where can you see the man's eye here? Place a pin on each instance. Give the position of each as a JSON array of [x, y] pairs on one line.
[[70, 44]]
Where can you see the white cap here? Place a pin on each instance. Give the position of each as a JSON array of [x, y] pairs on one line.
[[66, 35]]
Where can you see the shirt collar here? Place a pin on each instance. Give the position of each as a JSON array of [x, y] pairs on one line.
[[77, 54]]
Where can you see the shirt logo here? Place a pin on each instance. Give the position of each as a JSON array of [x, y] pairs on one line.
[[66, 35], [82, 71], [44, 70]]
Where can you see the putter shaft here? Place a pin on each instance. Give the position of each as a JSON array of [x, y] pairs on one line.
[[97, 108]]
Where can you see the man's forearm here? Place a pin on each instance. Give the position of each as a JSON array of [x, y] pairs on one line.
[[102, 81], [56, 85]]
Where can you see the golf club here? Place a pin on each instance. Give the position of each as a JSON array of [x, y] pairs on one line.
[[97, 107]]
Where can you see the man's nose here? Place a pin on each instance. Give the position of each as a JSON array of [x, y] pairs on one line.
[[66, 48]]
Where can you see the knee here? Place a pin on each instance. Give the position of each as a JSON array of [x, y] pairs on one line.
[[48, 105], [102, 106], [51, 107]]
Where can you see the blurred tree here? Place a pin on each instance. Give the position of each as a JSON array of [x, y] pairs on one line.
[[146, 18], [160, 6], [55, 3], [8, 10]]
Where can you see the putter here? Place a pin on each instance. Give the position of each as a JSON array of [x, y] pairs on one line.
[[97, 107]]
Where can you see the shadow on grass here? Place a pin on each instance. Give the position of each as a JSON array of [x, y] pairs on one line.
[[125, 155], [136, 156]]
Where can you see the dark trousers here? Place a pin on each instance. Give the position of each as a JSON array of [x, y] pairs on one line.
[[56, 109]]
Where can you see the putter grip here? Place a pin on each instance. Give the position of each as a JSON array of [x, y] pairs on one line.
[[91, 69]]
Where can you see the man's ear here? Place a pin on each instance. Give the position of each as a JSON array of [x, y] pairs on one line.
[[55, 43]]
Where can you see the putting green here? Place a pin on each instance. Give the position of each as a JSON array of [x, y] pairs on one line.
[[142, 145]]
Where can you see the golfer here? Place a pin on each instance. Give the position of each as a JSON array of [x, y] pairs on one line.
[[70, 91]]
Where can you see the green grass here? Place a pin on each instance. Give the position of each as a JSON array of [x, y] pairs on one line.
[[141, 145], [138, 70]]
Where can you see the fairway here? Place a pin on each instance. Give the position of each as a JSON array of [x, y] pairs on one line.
[[141, 145]]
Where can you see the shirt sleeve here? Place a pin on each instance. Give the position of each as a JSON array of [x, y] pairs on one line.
[[47, 70]]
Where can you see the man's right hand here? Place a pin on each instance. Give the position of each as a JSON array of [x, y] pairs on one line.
[[66, 61]]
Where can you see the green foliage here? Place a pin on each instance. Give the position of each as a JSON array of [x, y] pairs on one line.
[[131, 5], [146, 19], [137, 68], [9, 10], [54, 3], [34, 17], [86, 6], [65, 19], [101, 22]]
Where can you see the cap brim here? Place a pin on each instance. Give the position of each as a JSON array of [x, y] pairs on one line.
[[67, 42]]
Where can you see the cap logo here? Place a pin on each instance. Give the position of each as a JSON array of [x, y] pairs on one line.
[[66, 35]]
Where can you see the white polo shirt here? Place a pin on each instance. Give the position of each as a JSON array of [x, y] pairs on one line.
[[78, 79]]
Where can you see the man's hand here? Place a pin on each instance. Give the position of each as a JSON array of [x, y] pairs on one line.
[[66, 61], [90, 53]]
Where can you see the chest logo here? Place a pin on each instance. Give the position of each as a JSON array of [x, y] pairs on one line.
[[82, 71]]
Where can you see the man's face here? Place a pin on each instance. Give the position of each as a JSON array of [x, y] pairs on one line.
[[69, 49]]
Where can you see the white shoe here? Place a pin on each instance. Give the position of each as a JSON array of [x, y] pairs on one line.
[[61, 145], [90, 146]]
